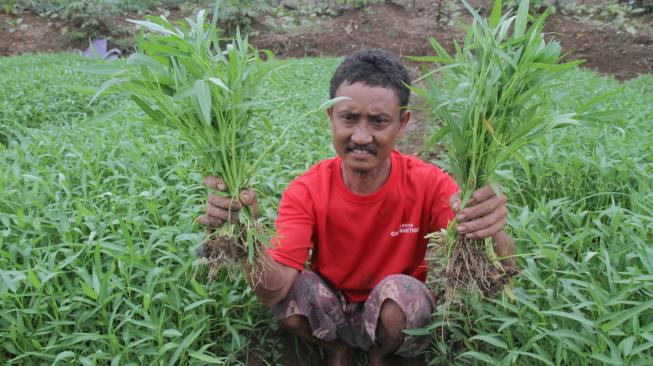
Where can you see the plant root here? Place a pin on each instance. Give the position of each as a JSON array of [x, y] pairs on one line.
[[221, 251], [470, 267], [262, 264]]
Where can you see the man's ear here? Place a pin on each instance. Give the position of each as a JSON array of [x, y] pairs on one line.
[[329, 112], [403, 122]]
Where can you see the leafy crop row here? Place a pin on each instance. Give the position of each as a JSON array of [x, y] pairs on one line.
[[96, 259], [584, 216]]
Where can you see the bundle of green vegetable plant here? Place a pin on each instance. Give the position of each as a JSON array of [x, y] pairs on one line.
[[185, 79], [492, 100]]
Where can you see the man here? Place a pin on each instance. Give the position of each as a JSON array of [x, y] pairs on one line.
[[363, 215]]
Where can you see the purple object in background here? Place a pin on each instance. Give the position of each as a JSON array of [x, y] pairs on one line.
[[98, 49]]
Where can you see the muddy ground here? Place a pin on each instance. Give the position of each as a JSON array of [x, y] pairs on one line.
[[401, 29]]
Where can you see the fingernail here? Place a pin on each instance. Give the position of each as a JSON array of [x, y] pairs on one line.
[[468, 236], [460, 217], [221, 186], [460, 228]]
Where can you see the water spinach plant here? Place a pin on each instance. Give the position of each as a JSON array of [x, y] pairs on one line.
[[494, 103], [185, 79]]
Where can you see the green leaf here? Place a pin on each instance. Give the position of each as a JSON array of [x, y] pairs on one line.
[[615, 319], [610, 116], [522, 19], [33, 279], [418, 331], [641, 348], [565, 333], [441, 51], [63, 355], [220, 83], [107, 85], [431, 59], [599, 98], [105, 116], [545, 360], [172, 333], [573, 316], [203, 94], [523, 162], [184, 345], [155, 115], [88, 291], [556, 67], [192, 306], [495, 15], [153, 27], [206, 358], [605, 359], [480, 356], [490, 339], [100, 69], [199, 289], [627, 345], [147, 300], [330, 103], [507, 323]]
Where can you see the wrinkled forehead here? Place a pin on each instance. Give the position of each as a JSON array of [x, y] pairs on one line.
[[362, 97]]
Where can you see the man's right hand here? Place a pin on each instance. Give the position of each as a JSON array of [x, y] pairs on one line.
[[223, 209], [275, 278]]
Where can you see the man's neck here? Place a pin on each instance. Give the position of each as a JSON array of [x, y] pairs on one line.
[[366, 182]]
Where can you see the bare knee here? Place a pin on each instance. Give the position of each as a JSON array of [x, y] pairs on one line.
[[392, 322], [294, 323]]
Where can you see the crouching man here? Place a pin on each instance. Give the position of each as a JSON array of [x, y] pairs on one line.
[[362, 216]]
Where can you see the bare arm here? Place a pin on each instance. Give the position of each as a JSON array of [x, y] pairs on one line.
[[270, 280]]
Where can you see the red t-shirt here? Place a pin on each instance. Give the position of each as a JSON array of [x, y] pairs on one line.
[[358, 240]]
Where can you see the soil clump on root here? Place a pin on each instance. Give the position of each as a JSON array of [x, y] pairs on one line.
[[469, 267], [221, 251]]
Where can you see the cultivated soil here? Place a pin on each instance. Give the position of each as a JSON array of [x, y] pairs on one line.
[[402, 28], [396, 26]]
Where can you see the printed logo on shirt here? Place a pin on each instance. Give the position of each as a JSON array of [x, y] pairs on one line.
[[405, 229]]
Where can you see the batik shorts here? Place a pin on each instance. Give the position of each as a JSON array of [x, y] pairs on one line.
[[331, 317]]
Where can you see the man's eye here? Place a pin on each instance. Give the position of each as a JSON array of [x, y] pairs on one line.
[[380, 121]]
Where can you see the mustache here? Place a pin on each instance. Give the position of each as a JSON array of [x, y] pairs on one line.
[[367, 147]]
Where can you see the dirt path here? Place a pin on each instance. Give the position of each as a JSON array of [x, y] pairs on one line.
[[404, 30], [401, 29]]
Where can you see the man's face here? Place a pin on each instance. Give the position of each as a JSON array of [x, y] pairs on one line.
[[366, 126]]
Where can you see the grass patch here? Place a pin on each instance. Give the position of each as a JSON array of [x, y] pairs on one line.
[[98, 233], [41, 90]]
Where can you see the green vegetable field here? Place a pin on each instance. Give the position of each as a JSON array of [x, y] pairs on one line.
[[98, 230]]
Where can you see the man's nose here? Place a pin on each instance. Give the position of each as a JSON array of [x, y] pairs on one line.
[[362, 134]]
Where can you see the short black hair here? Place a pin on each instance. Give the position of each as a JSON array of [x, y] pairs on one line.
[[373, 67]]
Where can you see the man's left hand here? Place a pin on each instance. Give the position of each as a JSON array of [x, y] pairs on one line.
[[485, 214]]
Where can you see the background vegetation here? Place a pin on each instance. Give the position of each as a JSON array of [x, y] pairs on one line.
[[98, 226], [583, 218]]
